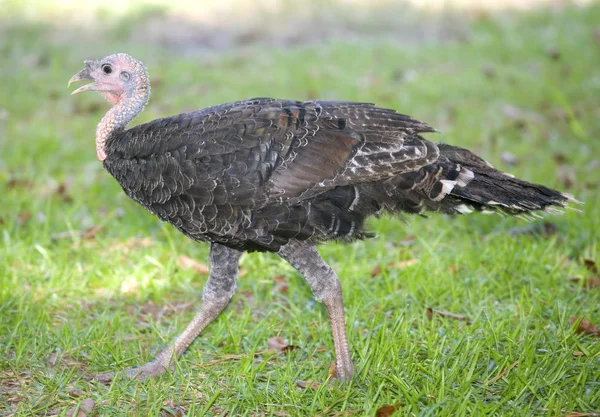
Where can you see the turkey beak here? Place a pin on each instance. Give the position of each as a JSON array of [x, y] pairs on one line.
[[84, 74]]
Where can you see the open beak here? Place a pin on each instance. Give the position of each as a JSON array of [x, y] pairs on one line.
[[82, 75]]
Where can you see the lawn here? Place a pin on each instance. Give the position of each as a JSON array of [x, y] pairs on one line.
[[466, 316]]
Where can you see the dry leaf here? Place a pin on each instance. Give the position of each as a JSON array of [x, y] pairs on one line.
[[171, 409], [376, 271], [332, 372], [281, 285], [82, 410], [430, 313], [578, 414], [308, 384], [18, 182], [186, 262], [504, 372], [578, 353], [24, 217], [404, 264], [584, 327], [591, 266], [54, 358], [554, 53], [61, 191], [589, 282], [76, 393], [387, 410], [278, 344], [560, 157]]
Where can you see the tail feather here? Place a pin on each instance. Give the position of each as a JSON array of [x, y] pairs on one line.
[[496, 191]]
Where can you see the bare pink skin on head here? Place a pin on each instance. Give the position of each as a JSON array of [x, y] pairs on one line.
[[124, 82]]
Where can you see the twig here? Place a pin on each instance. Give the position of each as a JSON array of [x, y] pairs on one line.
[[501, 374]]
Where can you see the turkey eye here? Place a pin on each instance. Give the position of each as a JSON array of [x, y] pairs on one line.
[[107, 69]]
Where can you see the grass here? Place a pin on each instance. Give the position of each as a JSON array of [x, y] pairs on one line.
[[74, 304]]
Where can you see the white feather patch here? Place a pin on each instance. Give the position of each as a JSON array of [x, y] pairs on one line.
[[447, 187], [465, 177], [463, 209]]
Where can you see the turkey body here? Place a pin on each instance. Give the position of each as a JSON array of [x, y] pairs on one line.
[[251, 175], [283, 176]]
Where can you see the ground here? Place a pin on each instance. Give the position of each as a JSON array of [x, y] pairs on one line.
[[473, 315]]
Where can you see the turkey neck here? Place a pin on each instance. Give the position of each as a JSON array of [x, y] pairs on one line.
[[132, 102]]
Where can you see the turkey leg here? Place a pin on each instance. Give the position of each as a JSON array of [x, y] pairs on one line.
[[218, 290], [327, 289]]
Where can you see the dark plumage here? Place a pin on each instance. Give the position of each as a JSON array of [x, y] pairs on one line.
[[283, 176]]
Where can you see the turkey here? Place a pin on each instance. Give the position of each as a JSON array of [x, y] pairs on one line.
[[283, 176]]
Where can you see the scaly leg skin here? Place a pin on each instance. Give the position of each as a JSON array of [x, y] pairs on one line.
[[327, 289], [218, 290]]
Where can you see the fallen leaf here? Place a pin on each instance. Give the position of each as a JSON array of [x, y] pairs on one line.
[[18, 183], [376, 271], [92, 232], [591, 266], [387, 410], [560, 157], [278, 344], [332, 372], [189, 263], [404, 264], [589, 282], [578, 414], [24, 217], [430, 314], [61, 191], [308, 384], [172, 409], [584, 327], [54, 358], [578, 353], [554, 53], [82, 410], [281, 285], [504, 372], [76, 393]]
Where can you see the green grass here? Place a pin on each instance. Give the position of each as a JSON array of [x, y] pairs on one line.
[[72, 306]]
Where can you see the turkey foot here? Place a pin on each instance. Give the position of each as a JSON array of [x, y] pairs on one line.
[[217, 292], [149, 370]]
